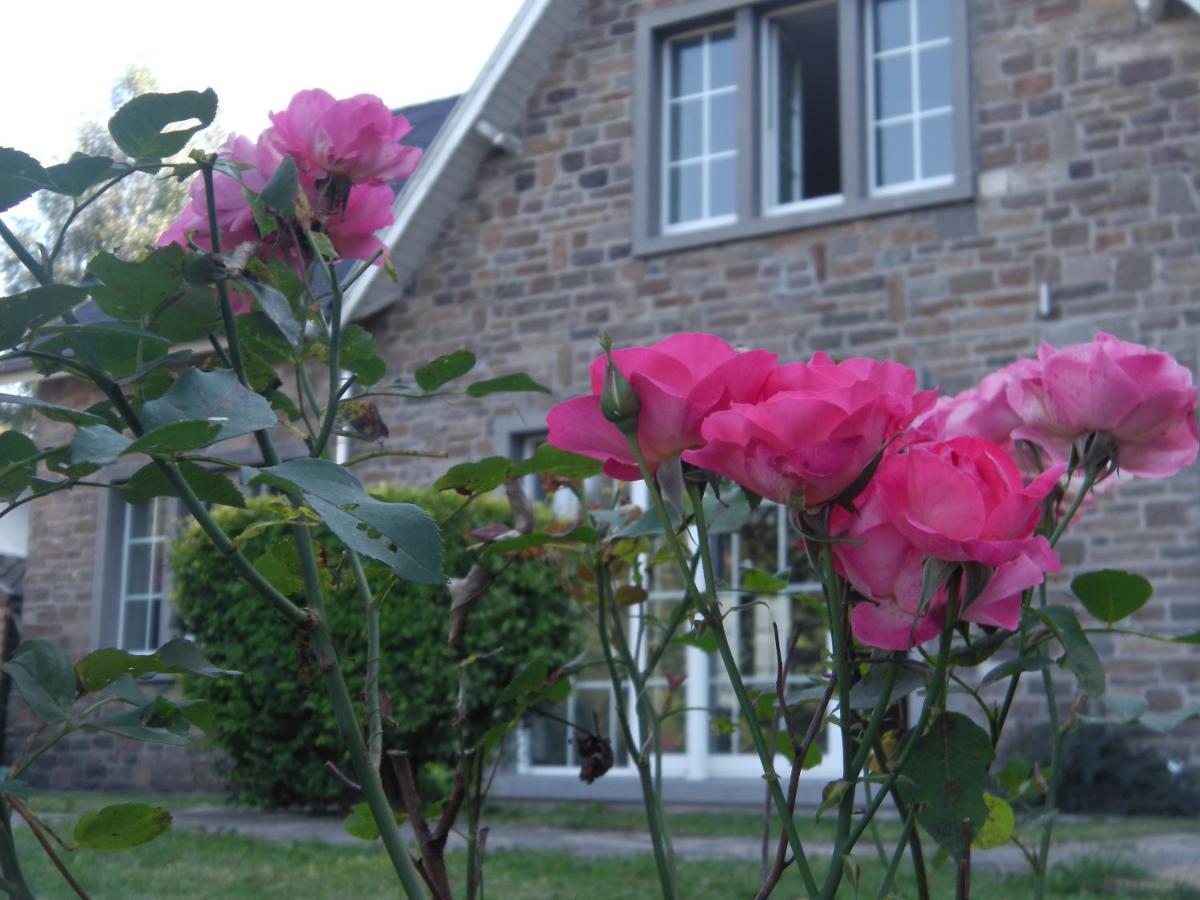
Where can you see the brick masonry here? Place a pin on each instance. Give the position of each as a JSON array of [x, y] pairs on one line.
[[1087, 136]]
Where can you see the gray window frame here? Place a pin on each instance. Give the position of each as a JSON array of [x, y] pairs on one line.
[[859, 201]]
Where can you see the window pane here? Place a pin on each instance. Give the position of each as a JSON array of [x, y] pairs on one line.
[[722, 122], [687, 66], [686, 185], [722, 70], [722, 186], [154, 608], [548, 737], [805, 152], [673, 728], [892, 19], [937, 146], [933, 19], [934, 65], [134, 637], [893, 86], [687, 136], [894, 153], [141, 519], [137, 571]]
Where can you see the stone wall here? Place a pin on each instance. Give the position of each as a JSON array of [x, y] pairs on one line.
[[1087, 127]]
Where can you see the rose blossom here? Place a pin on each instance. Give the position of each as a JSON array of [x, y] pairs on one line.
[[1141, 399], [357, 138], [814, 430], [959, 501], [235, 220], [982, 411], [678, 382], [353, 229]]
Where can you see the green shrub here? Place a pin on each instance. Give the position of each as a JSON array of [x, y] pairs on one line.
[[275, 723]]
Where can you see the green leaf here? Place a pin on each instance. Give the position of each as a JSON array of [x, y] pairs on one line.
[[831, 796], [279, 193], [122, 825], [100, 668], [868, 692], [1011, 667], [550, 460], [158, 722], [998, 828], [518, 381], [114, 347], [324, 245], [948, 773], [1078, 654], [140, 126], [42, 672], [189, 316], [399, 534], [530, 678], [215, 396], [1167, 721], [211, 487], [1110, 594], [1193, 638], [358, 355], [199, 714], [1014, 774], [444, 369], [179, 656], [21, 176], [276, 307], [132, 291], [18, 463], [53, 411], [361, 823], [579, 535], [755, 581], [20, 313], [97, 445], [726, 516], [280, 565], [475, 478], [175, 437], [630, 595], [79, 173]]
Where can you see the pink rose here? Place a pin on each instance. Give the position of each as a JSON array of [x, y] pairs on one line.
[[982, 411], [678, 382], [959, 501], [963, 500], [235, 220], [357, 138], [1141, 399], [886, 569], [353, 229], [815, 428]]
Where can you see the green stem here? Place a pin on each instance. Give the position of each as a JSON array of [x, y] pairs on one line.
[[1055, 777], [897, 855], [714, 621], [35, 268], [10, 866], [666, 875], [374, 709], [335, 338]]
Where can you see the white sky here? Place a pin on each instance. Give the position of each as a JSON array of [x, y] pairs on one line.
[[61, 57]]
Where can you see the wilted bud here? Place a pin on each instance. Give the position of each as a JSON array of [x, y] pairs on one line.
[[618, 401]]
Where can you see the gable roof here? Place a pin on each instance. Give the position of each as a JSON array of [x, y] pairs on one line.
[[480, 122]]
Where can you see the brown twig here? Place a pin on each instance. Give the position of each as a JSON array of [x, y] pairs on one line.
[[343, 777], [964, 867], [432, 865], [35, 826]]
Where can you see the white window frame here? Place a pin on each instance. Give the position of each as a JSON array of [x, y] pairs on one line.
[[916, 115], [157, 541], [707, 157]]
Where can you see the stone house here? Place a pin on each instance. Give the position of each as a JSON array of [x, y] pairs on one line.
[[943, 182]]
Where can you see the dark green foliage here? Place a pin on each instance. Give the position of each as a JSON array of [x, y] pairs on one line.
[[275, 722]]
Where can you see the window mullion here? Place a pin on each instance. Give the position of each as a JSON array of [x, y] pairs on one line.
[[853, 52], [748, 199]]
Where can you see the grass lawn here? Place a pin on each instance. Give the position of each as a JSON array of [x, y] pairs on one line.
[[191, 867], [187, 865]]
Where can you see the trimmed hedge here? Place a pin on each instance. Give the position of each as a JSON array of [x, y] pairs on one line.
[[275, 723]]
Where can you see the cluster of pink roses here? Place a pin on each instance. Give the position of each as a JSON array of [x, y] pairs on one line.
[[946, 485], [345, 151]]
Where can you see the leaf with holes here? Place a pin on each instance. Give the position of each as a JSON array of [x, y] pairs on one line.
[[132, 291], [1110, 594], [948, 774], [399, 534], [549, 460], [474, 478], [142, 127]]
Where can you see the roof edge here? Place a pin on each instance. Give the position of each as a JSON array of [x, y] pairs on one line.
[[458, 127]]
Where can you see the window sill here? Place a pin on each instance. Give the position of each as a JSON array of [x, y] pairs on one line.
[[798, 220]]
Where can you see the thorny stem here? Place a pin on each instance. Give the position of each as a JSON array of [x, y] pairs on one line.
[[14, 881], [374, 711], [40, 835]]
